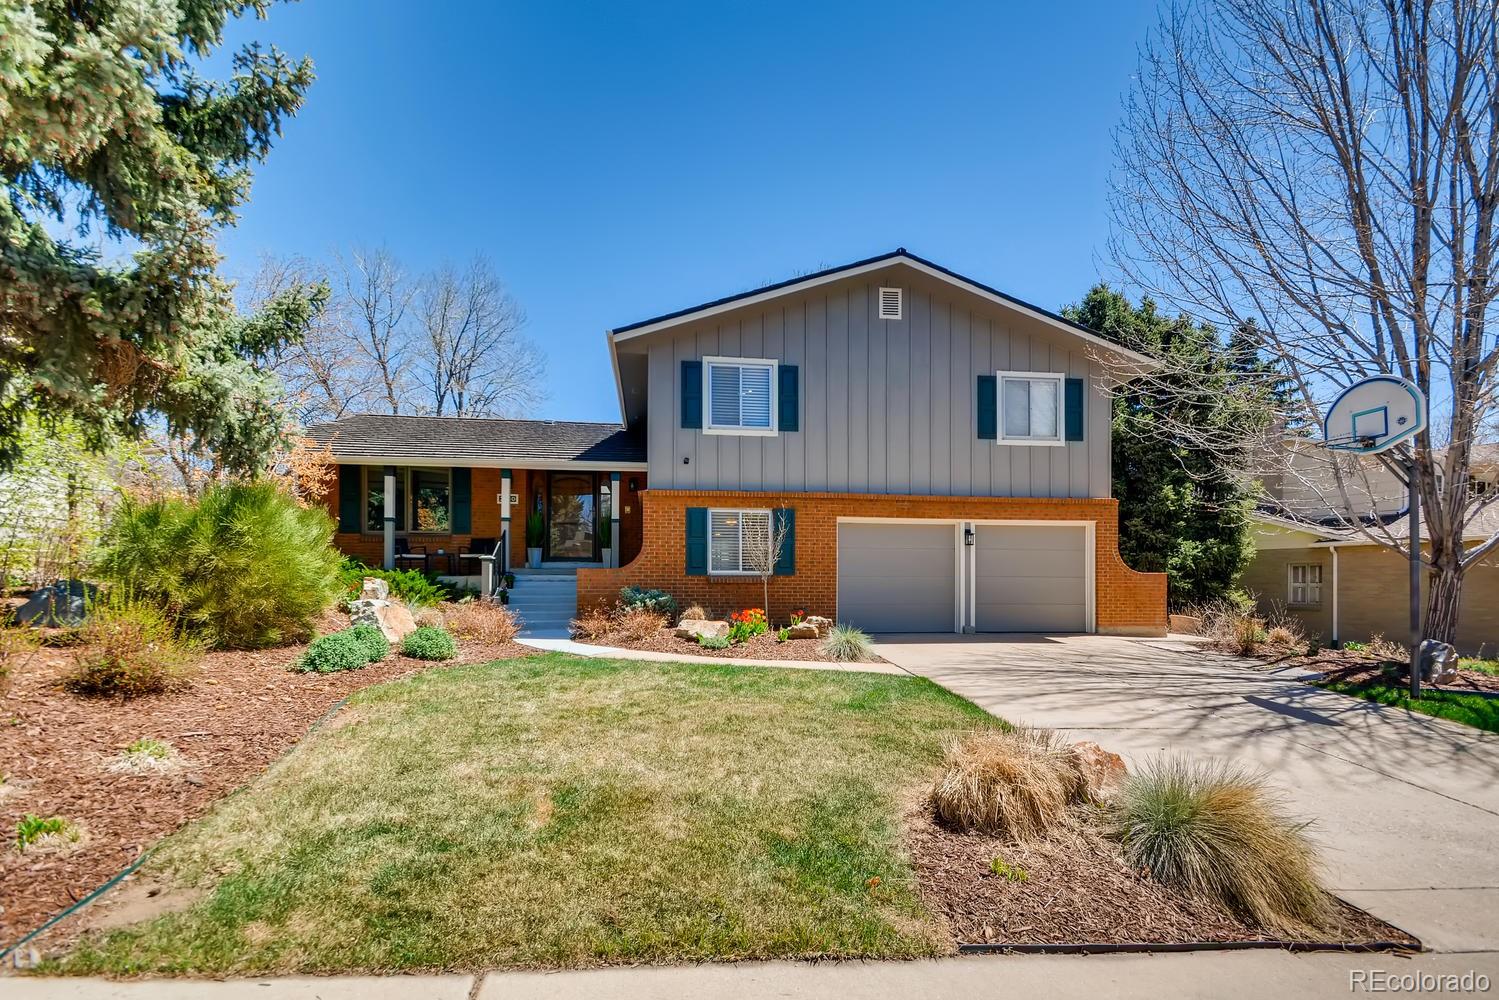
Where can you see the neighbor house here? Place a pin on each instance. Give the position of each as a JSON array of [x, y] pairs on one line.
[[1313, 566], [934, 453]]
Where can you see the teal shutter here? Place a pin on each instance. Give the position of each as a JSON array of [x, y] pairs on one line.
[[988, 407], [785, 520], [1074, 419], [697, 541], [349, 501], [462, 500], [790, 400], [692, 394]]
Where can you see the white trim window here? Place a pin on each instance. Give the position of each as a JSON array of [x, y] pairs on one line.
[[1030, 407], [738, 541], [741, 395], [1305, 584]]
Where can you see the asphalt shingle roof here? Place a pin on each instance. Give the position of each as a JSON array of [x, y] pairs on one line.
[[371, 435]]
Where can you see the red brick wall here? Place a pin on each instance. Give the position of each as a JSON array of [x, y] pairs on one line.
[[1126, 602]]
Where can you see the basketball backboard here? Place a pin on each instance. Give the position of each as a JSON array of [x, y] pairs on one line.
[[1374, 415]]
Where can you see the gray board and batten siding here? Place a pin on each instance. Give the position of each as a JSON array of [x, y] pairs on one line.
[[887, 406]]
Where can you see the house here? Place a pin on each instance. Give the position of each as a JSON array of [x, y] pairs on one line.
[[934, 452], [1312, 565]]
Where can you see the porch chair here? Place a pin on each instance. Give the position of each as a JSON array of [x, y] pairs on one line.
[[407, 556]]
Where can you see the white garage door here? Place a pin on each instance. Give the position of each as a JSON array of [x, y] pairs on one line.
[[897, 577], [1031, 578]]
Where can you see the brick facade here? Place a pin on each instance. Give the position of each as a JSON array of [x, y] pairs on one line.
[[1126, 602]]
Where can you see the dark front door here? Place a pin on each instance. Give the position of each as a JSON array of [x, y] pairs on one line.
[[572, 516]]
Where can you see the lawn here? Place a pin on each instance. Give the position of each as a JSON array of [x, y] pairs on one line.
[[561, 812], [1471, 709]]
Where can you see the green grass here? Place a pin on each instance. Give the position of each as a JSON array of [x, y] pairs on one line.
[[556, 812], [1391, 689], [1482, 666]]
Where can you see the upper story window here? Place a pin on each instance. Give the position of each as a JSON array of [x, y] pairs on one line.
[[1305, 584], [741, 395], [1030, 407], [422, 500], [739, 542]]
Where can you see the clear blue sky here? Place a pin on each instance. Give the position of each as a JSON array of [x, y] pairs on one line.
[[617, 161]]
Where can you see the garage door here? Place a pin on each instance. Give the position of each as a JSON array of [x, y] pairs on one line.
[[1031, 578], [897, 577]]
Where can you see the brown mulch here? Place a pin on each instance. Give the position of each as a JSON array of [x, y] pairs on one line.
[[241, 711], [1358, 667], [760, 647], [1077, 890]]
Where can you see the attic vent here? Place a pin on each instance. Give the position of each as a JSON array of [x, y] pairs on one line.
[[890, 303]]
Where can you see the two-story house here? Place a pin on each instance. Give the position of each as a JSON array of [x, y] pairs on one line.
[[934, 453]]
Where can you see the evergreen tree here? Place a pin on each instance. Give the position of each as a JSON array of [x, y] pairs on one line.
[[1180, 511], [106, 129]]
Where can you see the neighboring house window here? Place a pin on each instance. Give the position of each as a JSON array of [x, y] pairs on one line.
[[1030, 407], [738, 542], [741, 395], [1306, 584], [1476, 487], [423, 499]]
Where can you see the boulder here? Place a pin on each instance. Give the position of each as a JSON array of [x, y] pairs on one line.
[[696, 628], [391, 618], [375, 589], [822, 625], [1184, 624], [64, 603], [1438, 662], [803, 630], [1102, 772]]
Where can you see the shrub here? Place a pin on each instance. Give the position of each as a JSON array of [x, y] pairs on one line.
[[1219, 832], [844, 642], [127, 648], [783, 635], [429, 644], [242, 566], [32, 830], [695, 611], [592, 625], [714, 641], [658, 601], [429, 616], [333, 653], [481, 621], [376, 646], [1015, 783], [638, 624], [1280, 635], [1383, 649], [410, 586]]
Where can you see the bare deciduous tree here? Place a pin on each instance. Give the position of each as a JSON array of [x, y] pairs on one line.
[[762, 550], [375, 292], [1329, 170], [324, 374], [473, 359]]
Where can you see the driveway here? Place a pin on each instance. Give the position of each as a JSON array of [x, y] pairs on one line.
[[1405, 807]]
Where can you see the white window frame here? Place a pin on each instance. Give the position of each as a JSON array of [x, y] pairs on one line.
[[1312, 598], [1060, 378], [740, 512], [709, 427]]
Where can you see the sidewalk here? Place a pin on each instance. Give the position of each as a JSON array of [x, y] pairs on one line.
[[559, 645], [1250, 975]]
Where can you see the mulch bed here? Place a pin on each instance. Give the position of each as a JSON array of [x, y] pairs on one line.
[[1077, 890], [1358, 667], [241, 712], [760, 647]]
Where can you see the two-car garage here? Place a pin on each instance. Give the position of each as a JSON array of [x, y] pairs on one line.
[[961, 576]]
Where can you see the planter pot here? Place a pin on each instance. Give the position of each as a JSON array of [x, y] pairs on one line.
[[504, 597], [509, 581], [533, 557]]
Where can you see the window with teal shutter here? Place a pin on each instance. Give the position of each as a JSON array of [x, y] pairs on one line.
[[350, 482], [462, 502], [1074, 414], [785, 525], [789, 397], [697, 541], [988, 407], [692, 394]]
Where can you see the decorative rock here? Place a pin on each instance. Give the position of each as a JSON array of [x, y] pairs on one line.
[[393, 620], [375, 589], [803, 630], [63, 603], [1184, 624], [822, 625], [1103, 773], [696, 628], [1438, 662]]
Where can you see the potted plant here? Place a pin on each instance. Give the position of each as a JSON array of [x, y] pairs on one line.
[[535, 532], [509, 581]]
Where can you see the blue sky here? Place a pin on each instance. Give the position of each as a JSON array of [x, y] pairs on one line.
[[617, 161]]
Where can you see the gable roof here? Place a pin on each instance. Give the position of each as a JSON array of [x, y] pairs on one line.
[[900, 254], [480, 441]]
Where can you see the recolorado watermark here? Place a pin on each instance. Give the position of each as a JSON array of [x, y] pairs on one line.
[[1384, 981]]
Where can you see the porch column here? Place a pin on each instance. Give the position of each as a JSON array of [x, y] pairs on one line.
[[390, 517], [614, 519], [505, 517]]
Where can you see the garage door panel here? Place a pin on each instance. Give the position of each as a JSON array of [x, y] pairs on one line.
[[1031, 578], [897, 577]]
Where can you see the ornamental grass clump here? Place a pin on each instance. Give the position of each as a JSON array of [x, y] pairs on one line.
[[429, 644], [1012, 783], [844, 642], [1218, 831], [482, 621], [128, 648]]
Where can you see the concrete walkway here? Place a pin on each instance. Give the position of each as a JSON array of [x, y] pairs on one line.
[[1219, 975], [1406, 807], [559, 645]]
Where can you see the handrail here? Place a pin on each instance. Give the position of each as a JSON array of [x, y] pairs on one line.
[[502, 557]]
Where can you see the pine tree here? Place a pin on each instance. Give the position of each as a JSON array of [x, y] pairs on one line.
[[106, 129]]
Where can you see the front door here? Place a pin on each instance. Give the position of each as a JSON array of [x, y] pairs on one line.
[[572, 516]]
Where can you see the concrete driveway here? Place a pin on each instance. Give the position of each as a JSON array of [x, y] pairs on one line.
[[1405, 807]]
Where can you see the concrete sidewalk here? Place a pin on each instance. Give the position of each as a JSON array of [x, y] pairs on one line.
[[562, 645], [1404, 806], [1244, 975]]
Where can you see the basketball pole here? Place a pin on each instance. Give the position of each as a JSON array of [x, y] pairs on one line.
[[1413, 479]]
